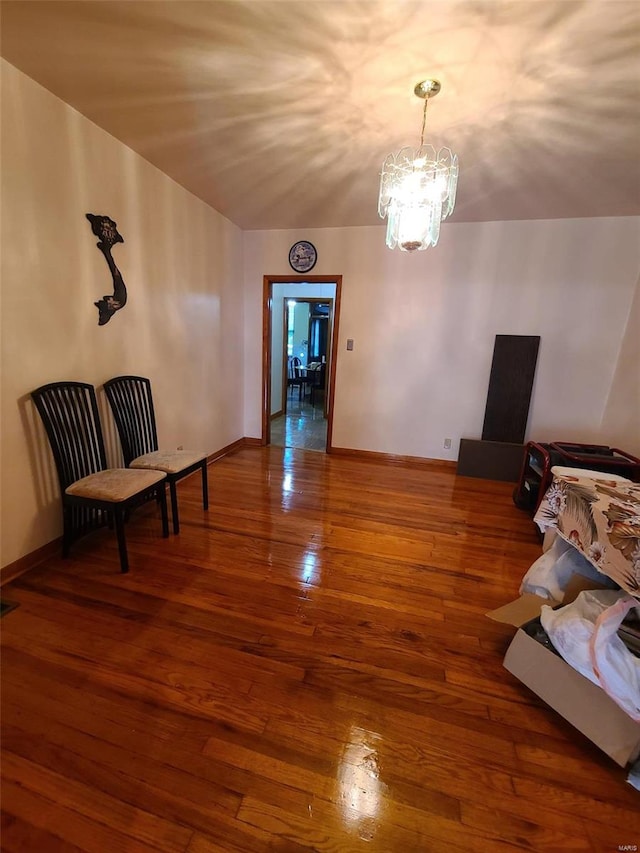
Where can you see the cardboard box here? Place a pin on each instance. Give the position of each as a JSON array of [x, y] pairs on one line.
[[582, 703]]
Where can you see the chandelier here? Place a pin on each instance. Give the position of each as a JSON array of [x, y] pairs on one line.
[[418, 188]]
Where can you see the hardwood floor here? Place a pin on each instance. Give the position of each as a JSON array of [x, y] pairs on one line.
[[307, 666], [304, 426]]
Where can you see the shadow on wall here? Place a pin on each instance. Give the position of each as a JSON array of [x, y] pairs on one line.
[[43, 474], [112, 446], [43, 467]]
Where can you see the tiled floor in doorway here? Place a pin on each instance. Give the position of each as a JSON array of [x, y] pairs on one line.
[[303, 426]]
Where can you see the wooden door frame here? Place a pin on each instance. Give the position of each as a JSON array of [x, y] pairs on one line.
[[267, 301]]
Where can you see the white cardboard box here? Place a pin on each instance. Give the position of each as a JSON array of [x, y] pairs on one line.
[[582, 703]]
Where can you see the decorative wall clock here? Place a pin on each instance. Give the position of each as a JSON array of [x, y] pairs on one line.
[[303, 256]]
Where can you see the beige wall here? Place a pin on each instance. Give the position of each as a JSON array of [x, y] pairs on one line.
[[621, 419], [424, 325], [181, 262]]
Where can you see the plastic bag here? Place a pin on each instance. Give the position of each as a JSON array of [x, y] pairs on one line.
[[549, 575], [617, 669], [584, 634]]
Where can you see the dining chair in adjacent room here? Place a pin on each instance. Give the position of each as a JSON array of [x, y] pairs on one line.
[[296, 378], [131, 402], [92, 494], [319, 378]]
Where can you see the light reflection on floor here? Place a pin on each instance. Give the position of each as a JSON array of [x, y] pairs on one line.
[[309, 567], [304, 426], [287, 482], [359, 785]]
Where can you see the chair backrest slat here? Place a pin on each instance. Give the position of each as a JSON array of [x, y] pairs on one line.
[[131, 402], [66, 431], [69, 412]]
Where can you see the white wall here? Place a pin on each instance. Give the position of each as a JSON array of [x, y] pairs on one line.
[[182, 326], [424, 326], [621, 418], [301, 331], [277, 352]]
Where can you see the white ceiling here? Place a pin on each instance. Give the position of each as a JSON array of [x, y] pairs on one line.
[[278, 113]]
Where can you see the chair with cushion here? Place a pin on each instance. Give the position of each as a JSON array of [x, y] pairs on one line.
[[132, 406], [92, 494]]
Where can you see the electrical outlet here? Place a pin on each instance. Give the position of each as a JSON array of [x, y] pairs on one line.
[[180, 447], [447, 444]]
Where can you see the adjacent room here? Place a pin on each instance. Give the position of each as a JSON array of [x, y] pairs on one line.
[[320, 439]]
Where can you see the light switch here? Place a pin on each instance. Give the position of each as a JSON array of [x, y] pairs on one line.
[[349, 343]]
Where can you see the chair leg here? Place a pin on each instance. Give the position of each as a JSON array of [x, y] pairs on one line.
[[122, 545], [174, 506], [161, 497], [205, 486]]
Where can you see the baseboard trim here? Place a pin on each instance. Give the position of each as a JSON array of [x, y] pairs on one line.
[[394, 459], [225, 451], [252, 442], [277, 414], [23, 564]]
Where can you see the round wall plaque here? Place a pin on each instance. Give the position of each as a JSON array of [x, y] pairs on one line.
[[303, 256]]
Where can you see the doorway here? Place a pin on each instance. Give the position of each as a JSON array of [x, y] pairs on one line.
[[300, 418], [300, 333]]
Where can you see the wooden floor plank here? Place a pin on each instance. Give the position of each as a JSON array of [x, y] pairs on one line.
[[307, 666], [19, 835], [89, 797]]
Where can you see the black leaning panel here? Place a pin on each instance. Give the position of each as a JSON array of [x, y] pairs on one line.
[[512, 371], [490, 460]]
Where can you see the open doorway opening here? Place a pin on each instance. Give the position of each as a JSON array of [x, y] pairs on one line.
[[300, 330], [301, 419]]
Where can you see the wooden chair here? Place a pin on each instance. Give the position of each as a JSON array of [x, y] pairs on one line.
[[92, 494], [132, 406], [295, 377], [318, 383]]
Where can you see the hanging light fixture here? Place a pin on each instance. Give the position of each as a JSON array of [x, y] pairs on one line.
[[418, 188]]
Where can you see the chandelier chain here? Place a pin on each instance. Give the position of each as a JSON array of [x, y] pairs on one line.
[[424, 121]]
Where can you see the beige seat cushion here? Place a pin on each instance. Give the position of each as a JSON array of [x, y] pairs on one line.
[[170, 461], [114, 484]]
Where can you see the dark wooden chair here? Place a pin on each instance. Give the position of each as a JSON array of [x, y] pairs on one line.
[[319, 378], [132, 406], [296, 377], [92, 494]]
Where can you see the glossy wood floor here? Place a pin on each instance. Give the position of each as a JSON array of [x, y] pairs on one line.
[[304, 426], [307, 666]]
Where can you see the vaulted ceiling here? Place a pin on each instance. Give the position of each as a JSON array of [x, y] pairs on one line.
[[278, 113]]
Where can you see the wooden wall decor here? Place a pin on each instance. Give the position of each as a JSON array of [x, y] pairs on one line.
[[107, 231], [510, 385]]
